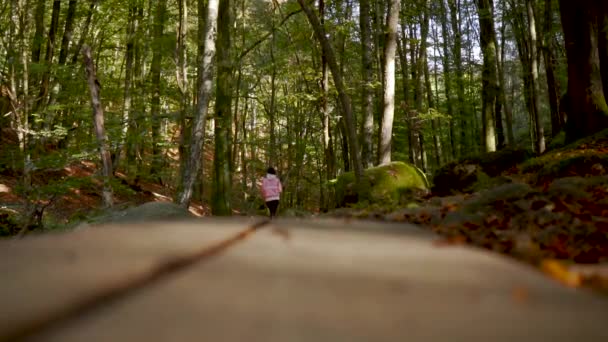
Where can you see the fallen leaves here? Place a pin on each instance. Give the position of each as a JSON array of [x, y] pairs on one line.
[[557, 270]]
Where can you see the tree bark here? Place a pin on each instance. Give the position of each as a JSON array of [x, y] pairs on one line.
[[506, 105], [68, 31], [98, 123], [461, 110], [489, 73], [221, 199], [181, 75], [343, 96], [127, 99], [539, 134], [367, 131], [155, 70], [206, 66], [447, 75], [553, 86], [39, 32], [388, 113], [48, 59], [587, 109]]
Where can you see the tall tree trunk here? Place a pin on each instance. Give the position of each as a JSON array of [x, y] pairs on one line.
[[221, 199], [412, 115], [539, 134], [421, 65], [206, 67], [68, 31], [407, 94], [328, 150], [50, 51], [272, 148], [388, 113], [155, 70], [489, 74], [127, 99], [98, 121], [434, 124], [181, 75], [447, 75], [39, 32], [587, 109], [343, 96], [506, 105], [367, 131], [553, 87], [462, 108]]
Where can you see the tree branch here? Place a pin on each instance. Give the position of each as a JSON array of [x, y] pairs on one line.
[[259, 41]]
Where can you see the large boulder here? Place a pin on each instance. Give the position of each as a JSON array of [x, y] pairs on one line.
[[385, 184]]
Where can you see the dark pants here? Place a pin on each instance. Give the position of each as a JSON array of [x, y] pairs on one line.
[[272, 206]]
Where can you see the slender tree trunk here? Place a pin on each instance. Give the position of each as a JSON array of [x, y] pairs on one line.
[[343, 96], [48, 59], [489, 74], [413, 120], [388, 113], [506, 105], [434, 125], [447, 75], [462, 109], [272, 148], [206, 66], [155, 70], [68, 31], [126, 105], [221, 199], [39, 32], [328, 150], [98, 121], [553, 87], [367, 131], [181, 75], [539, 134]]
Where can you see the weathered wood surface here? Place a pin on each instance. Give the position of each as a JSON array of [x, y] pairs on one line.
[[328, 280]]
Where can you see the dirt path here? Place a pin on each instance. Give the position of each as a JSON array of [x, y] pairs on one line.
[[305, 280]]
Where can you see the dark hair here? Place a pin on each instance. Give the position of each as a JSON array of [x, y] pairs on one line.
[[271, 171]]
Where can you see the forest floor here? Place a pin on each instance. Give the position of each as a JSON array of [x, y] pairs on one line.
[[552, 212]]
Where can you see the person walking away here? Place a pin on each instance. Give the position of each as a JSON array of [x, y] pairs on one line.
[[271, 191]]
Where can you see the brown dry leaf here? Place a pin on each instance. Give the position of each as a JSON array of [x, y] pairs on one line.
[[560, 272]]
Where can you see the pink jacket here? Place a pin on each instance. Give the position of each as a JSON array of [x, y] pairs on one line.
[[271, 188]]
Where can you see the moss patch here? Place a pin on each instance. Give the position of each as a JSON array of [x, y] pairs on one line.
[[585, 157], [386, 184]]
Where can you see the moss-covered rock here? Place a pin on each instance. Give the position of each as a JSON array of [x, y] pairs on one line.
[[386, 184], [475, 173], [585, 157]]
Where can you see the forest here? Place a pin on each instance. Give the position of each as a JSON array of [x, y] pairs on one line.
[[195, 99]]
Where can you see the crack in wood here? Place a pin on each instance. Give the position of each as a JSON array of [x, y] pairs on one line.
[[122, 290]]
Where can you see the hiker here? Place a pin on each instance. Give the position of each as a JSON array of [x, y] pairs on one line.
[[271, 191]]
